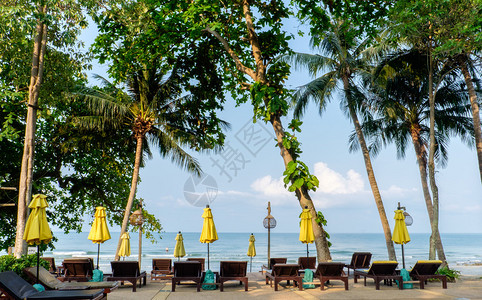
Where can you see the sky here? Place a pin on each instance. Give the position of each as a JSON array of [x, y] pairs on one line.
[[240, 181]]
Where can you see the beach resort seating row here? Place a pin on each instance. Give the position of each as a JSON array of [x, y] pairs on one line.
[[81, 270]]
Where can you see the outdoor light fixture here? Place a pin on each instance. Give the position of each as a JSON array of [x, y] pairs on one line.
[[408, 217], [269, 222]]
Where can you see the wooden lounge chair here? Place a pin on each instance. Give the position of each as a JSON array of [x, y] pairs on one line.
[[359, 260], [307, 262], [233, 270], [53, 268], [161, 268], [425, 269], [15, 287], [127, 271], [284, 272], [187, 271], [380, 270], [50, 282], [77, 269], [273, 261], [199, 259], [331, 271]]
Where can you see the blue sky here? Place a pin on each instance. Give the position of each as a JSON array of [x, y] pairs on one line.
[[344, 195]]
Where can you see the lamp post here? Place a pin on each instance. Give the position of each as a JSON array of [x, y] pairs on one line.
[[408, 222], [269, 222], [137, 219]]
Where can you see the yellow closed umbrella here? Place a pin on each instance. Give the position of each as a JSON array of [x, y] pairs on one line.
[[251, 250], [209, 234], [400, 232], [37, 230], [179, 248], [306, 228], [99, 232], [125, 247]]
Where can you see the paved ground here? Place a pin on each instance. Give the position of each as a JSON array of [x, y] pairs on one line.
[[468, 287]]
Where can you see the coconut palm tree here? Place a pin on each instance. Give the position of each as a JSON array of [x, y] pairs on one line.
[[401, 104], [157, 114], [342, 58]]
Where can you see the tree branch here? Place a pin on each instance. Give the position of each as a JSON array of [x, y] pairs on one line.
[[239, 65]]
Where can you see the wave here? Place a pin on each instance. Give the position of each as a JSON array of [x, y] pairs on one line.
[[69, 253]]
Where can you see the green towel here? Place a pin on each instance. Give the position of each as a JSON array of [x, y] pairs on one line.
[[405, 277], [97, 276], [209, 278], [39, 287], [308, 278]]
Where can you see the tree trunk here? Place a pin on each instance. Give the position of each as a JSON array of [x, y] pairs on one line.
[[371, 178], [26, 172], [422, 166], [474, 105], [322, 248], [132, 194], [431, 158]]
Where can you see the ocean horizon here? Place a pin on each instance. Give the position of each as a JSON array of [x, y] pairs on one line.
[[462, 250]]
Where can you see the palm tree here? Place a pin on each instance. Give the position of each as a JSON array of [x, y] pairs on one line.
[[156, 113], [401, 105], [343, 57]]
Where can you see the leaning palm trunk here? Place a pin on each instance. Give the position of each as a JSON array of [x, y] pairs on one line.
[[323, 250], [474, 105], [132, 194], [26, 172], [371, 177], [431, 157], [422, 165]]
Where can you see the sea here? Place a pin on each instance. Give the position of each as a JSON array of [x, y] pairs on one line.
[[463, 251]]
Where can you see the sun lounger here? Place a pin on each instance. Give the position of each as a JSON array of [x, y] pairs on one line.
[[380, 270], [53, 268], [187, 271], [50, 282], [127, 271], [273, 261], [233, 270], [199, 259], [359, 260], [307, 262], [425, 269], [161, 268], [15, 287], [331, 271], [78, 269], [284, 272]]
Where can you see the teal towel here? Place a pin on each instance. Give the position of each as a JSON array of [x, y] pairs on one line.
[[308, 278], [39, 287], [209, 278], [405, 277], [97, 276]]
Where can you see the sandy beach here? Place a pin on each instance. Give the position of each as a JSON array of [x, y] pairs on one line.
[[467, 287]]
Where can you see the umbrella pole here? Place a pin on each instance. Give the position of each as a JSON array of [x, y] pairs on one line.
[[38, 260], [403, 257], [98, 252], [251, 265], [208, 256], [307, 252]]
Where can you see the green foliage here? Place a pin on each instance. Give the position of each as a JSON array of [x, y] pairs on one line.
[[451, 274], [297, 172], [320, 219], [10, 263], [365, 17]]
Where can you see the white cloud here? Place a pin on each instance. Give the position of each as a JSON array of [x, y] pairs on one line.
[[268, 186], [332, 182], [396, 191]]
